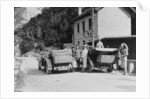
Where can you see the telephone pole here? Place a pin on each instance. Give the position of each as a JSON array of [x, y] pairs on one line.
[[92, 26]]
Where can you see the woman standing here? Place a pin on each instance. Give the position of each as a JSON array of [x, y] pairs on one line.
[[124, 54]]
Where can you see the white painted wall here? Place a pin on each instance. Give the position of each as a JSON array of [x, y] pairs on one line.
[[112, 21], [109, 22]]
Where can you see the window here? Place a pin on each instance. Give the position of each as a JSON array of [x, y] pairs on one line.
[[78, 27], [78, 42], [83, 26], [83, 42], [90, 24]]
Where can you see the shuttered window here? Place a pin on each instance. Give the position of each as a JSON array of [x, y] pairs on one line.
[[83, 26], [90, 24], [78, 27]]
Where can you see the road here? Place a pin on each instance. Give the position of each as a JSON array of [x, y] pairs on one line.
[[38, 81]]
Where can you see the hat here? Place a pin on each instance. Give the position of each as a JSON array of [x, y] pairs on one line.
[[85, 45]]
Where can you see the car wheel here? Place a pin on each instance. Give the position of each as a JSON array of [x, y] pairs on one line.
[[110, 68], [49, 71], [39, 67], [90, 69], [72, 69]]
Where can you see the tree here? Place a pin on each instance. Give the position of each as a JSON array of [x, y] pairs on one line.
[[18, 17], [53, 27], [59, 22]]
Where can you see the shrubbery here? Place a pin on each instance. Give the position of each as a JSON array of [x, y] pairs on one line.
[[39, 46], [26, 45], [53, 27]]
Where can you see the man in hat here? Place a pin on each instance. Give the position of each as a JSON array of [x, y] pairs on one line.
[[84, 57], [99, 43]]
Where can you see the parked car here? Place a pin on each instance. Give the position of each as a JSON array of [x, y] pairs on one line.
[[102, 59], [60, 60]]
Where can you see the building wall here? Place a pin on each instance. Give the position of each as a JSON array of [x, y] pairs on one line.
[[109, 22], [112, 21], [79, 36]]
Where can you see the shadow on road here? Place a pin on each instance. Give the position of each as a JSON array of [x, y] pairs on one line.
[[97, 71], [36, 72], [42, 72]]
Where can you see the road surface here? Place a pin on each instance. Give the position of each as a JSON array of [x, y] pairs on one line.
[[38, 81]]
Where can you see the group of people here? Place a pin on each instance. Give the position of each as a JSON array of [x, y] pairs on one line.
[[81, 56]]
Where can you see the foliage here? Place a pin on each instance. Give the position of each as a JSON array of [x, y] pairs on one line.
[[26, 45], [39, 46], [18, 16], [54, 26]]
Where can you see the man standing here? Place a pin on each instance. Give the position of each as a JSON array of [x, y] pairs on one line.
[[73, 51], [78, 55], [99, 43], [124, 54], [84, 57]]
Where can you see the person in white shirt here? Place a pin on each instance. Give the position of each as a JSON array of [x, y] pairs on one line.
[[124, 54], [84, 57], [99, 43]]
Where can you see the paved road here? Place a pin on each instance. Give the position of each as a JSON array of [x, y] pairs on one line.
[[38, 81]]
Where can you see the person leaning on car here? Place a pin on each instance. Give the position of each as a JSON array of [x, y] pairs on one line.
[[99, 44], [123, 55], [73, 51]]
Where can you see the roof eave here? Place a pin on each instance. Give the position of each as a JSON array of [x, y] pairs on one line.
[[87, 13]]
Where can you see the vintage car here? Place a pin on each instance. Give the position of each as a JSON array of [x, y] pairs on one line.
[[60, 60], [102, 59]]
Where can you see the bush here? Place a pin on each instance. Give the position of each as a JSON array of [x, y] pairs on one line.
[[39, 46], [26, 45], [17, 40], [49, 42]]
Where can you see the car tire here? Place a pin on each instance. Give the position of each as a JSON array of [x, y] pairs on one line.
[[49, 71], [90, 69], [110, 69], [39, 67], [72, 70]]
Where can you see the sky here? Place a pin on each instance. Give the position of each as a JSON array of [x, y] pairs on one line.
[[31, 12], [25, 14]]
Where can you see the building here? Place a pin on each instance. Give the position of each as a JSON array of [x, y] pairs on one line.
[[114, 24], [108, 22]]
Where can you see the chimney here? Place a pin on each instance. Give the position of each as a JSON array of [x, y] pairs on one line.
[[79, 10]]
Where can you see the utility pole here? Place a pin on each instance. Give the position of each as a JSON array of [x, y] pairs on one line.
[[73, 40], [92, 26]]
